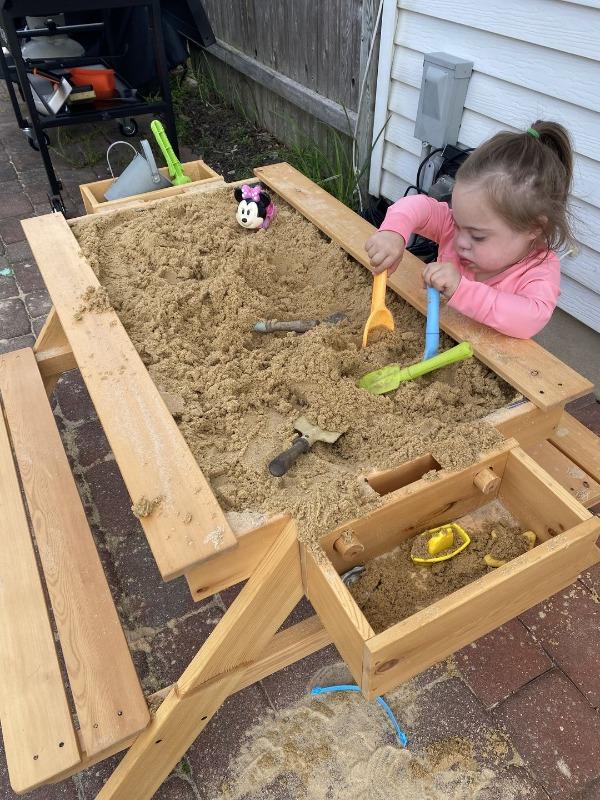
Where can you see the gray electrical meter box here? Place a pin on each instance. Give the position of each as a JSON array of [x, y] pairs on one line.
[[442, 98]]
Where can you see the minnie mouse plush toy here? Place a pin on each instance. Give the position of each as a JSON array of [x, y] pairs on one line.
[[255, 209]]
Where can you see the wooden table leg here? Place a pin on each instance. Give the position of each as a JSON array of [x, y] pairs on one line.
[[214, 673]]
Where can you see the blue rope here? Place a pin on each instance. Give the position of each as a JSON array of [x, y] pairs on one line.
[[349, 687]]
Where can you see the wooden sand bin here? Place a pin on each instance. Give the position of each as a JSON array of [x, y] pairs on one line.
[[41, 742]]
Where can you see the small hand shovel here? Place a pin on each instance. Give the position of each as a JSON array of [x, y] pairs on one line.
[[389, 378], [309, 435], [380, 316]]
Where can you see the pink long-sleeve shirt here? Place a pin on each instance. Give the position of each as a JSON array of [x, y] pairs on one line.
[[518, 302]]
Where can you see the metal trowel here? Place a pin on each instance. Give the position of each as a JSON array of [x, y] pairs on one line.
[[309, 434]]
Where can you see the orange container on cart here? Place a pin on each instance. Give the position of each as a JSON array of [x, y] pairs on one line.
[[102, 80]]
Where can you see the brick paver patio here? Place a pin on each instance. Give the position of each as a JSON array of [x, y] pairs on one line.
[[535, 678]]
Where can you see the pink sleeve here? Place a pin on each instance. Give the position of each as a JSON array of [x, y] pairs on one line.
[[419, 214], [522, 312]]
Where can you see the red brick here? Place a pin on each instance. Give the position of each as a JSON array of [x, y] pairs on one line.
[[582, 402], [11, 230], [8, 287], [222, 738], [591, 791], [512, 783], [290, 684], [444, 708], [38, 303], [73, 398], [498, 664], [590, 417], [173, 647], [556, 732], [28, 276], [111, 499], [60, 791], [150, 601], [591, 578], [568, 627], [91, 442], [14, 320]]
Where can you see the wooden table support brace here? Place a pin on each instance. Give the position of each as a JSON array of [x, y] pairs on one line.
[[214, 673]]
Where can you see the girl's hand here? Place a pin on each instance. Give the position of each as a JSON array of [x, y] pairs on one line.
[[385, 249], [443, 277]]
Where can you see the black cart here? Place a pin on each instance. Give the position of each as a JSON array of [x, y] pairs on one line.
[[125, 109]]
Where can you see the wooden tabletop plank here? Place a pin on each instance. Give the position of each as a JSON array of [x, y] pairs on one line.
[[539, 375], [108, 697], [39, 739], [188, 525]]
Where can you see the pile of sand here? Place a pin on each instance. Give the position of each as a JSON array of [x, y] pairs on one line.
[[339, 746], [188, 283], [392, 587]]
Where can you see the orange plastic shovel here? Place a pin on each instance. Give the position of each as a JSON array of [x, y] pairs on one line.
[[380, 316]]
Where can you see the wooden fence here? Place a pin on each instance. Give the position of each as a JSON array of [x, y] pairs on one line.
[[302, 60]]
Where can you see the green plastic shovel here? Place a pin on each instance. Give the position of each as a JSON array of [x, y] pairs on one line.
[[389, 378], [173, 163]]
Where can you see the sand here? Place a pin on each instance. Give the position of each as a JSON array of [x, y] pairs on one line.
[[341, 746], [188, 283], [392, 587]]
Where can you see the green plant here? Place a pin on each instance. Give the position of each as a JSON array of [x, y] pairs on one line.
[[77, 148], [331, 166], [211, 93], [329, 163]]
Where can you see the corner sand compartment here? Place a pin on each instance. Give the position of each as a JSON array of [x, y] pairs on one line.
[[189, 283], [392, 587]]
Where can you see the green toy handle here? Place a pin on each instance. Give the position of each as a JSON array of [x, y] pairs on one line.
[[173, 163], [457, 353]]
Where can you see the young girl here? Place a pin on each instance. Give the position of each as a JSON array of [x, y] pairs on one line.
[[496, 261]]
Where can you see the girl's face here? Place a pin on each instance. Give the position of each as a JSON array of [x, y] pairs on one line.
[[483, 240]]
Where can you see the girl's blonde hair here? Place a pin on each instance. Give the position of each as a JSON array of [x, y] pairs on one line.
[[528, 178]]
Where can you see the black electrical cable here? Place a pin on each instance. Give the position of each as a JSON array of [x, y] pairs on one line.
[[422, 164]]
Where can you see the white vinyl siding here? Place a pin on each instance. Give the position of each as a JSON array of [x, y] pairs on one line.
[[538, 59]]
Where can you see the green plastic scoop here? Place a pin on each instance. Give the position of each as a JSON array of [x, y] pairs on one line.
[[389, 378], [173, 163]]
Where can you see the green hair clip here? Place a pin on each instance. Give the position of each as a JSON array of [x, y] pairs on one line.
[[533, 132]]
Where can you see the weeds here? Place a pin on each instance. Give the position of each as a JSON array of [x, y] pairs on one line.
[[329, 166], [85, 146]]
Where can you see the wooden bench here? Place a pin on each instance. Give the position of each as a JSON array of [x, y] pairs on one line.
[[572, 456], [43, 521]]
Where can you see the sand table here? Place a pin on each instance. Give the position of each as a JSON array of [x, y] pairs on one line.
[[188, 283]]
